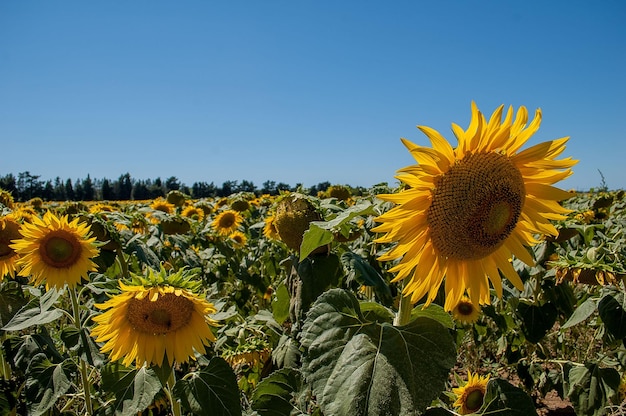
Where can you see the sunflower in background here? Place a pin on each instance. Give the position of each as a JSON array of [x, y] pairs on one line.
[[56, 251], [465, 311], [470, 396], [227, 222], [467, 209], [156, 320], [239, 239], [9, 232]]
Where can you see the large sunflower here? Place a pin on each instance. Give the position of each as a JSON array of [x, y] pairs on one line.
[[55, 251], [157, 322], [227, 222], [9, 232], [470, 396], [468, 209]]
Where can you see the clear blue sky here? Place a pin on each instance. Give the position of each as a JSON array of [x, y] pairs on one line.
[[299, 91]]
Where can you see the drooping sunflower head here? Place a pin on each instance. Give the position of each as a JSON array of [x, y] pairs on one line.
[[176, 198], [465, 211], [156, 320], [227, 222], [339, 191], [470, 397], [9, 232], [240, 205], [56, 251], [162, 205], [294, 213], [465, 311]]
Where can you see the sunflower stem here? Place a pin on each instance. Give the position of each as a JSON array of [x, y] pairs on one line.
[[122, 262], [83, 365], [404, 311], [5, 369], [171, 381]]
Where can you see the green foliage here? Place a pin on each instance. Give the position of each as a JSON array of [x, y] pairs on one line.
[[358, 367]]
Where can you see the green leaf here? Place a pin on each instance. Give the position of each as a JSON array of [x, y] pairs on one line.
[[286, 353], [46, 383], [536, 320], [134, 389], [313, 238], [438, 411], [502, 397], [611, 310], [11, 300], [591, 388], [273, 396], [36, 312], [213, 388], [356, 367], [80, 341], [581, 313], [365, 274], [280, 305], [435, 312]]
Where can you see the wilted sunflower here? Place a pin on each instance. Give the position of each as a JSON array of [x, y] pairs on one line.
[[468, 209], [226, 222], [465, 311], [155, 319], [470, 396], [9, 232], [55, 251]]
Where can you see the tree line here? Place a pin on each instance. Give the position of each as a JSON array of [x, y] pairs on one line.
[[27, 186]]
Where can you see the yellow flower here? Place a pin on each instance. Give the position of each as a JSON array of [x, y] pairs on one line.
[[9, 232], [154, 325], [465, 311], [162, 205], [470, 396], [226, 222], [55, 251], [269, 229], [193, 213], [239, 238], [467, 210]]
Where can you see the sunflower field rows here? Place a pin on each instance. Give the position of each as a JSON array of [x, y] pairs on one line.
[[474, 287]]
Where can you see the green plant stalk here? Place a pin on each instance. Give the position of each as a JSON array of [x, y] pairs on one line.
[[404, 310], [176, 409], [5, 368], [83, 365]]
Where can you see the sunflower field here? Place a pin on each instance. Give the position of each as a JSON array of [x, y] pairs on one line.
[[475, 286]]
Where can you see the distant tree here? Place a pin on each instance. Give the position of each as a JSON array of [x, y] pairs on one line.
[[28, 186], [269, 187], [89, 192], [203, 190], [9, 183], [172, 184], [59, 190], [106, 191], [47, 193], [79, 191], [69, 190], [245, 186], [140, 190], [227, 188], [281, 186], [123, 187]]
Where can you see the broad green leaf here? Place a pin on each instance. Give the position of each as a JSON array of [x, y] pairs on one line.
[[611, 309], [356, 367], [435, 312], [375, 312], [360, 270], [438, 411], [591, 388], [313, 238], [80, 341], [274, 395], [581, 313], [134, 389], [537, 320], [36, 312], [213, 388], [11, 300], [504, 398], [286, 353], [22, 350], [280, 305], [46, 383]]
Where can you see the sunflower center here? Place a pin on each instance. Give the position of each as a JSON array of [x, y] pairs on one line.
[[465, 308], [474, 400], [227, 220], [476, 206], [166, 314], [60, 249], [10, 232]]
